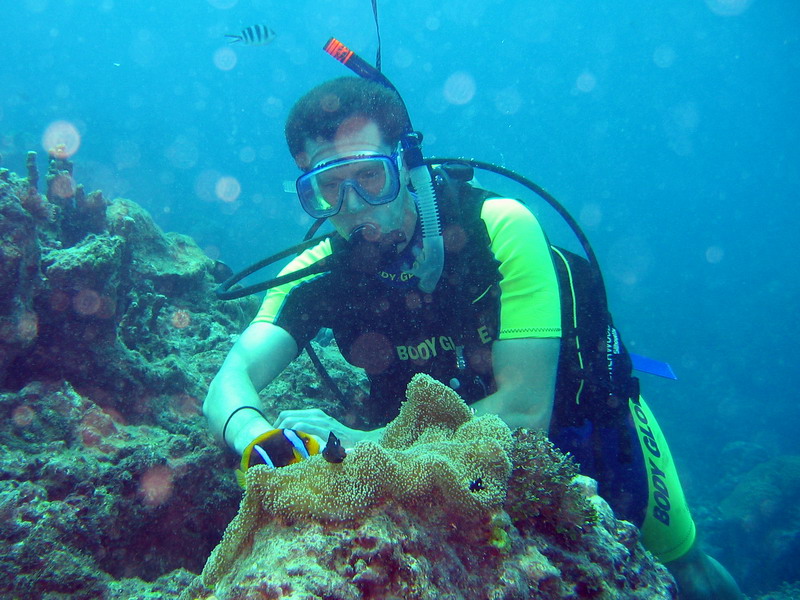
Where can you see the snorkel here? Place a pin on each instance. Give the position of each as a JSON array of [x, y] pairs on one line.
[[430, 262]]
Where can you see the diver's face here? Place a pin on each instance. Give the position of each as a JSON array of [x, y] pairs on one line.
[[355, 137]]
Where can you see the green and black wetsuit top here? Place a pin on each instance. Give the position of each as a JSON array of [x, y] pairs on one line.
[[498, 283]]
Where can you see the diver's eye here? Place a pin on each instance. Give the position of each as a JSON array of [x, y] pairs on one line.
[[371, 179], [367, 174], [329, 188]]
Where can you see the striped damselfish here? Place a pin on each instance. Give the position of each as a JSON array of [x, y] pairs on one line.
[[255, 35]]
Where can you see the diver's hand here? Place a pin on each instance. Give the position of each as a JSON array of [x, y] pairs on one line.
[[319, 424]]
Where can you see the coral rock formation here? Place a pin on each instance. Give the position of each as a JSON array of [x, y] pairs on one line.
[[761, 512], [110, 484], [421, 515], [92, 296], [109, 332]]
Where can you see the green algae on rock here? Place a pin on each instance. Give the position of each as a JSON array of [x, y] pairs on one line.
[[109, 333], [101, 297]]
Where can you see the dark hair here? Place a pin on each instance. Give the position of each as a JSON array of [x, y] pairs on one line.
[[322, 111]]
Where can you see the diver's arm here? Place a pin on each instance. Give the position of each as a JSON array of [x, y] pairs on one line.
[[525, 372], [258, 356]]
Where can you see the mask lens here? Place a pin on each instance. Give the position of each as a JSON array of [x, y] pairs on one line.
[[372, 178], [314, 200], [376, 179]]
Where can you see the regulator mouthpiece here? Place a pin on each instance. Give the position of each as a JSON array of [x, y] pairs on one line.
[[365, 233], [371, 250]]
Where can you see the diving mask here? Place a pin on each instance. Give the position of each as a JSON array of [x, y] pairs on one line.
[[374, 177]]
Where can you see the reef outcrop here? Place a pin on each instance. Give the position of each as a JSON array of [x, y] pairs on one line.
[[760, 511], [110, 485], [93, 292], [431, 511]]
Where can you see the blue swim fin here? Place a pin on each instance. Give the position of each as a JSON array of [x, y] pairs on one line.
[[652, 366]]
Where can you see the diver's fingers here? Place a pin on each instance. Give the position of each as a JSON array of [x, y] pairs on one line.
[[318, 431], [288, 419], [308, 412], [317, 426]]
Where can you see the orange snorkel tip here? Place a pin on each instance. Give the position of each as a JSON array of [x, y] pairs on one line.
[[355, 63], [338, 50]]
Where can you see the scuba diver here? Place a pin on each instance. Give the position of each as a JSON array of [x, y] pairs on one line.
[[428, 273]]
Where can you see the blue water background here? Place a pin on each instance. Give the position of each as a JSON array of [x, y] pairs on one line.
[[670, 131]]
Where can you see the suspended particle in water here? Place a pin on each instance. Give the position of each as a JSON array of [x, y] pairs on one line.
[[591, 215], [508, 101], [59, 300], [156, 485], [432, 23], [460, 88], [61, 139], [180, 319], [329, 103], [27, 327], [586, 82], [108, 308], [86, 302], [63, 186], [227, 189], [728, 8], [225, 59], [664, 56], [714, 254], [187, 405], [413, 301], [23, 415], [247, 154]]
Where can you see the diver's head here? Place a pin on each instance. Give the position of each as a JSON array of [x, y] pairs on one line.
[[329, 107], [344, 135]]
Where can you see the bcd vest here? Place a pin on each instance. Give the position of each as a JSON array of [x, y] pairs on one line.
[[594, 379]]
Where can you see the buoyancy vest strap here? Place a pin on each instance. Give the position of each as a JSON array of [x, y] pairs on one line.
[[559, 255]]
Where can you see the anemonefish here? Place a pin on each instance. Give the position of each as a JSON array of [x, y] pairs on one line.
[[277, 448], [256, 35]]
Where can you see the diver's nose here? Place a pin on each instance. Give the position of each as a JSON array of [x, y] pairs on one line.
[[353, 203]]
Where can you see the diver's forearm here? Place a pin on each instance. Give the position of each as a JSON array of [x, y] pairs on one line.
[[227, 396], [516, 412]]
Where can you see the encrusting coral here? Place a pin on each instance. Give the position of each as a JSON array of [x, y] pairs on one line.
[[541, 496], [423, 514], [430, 457]]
